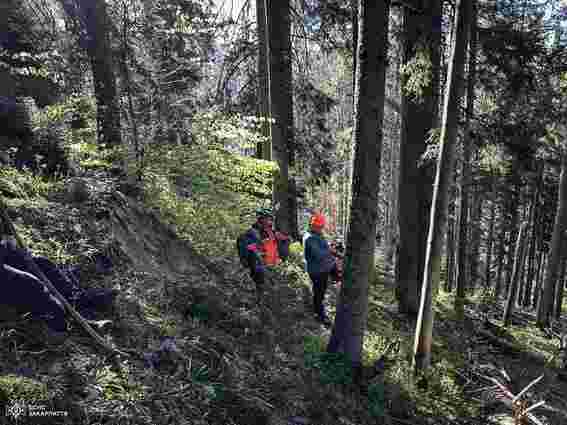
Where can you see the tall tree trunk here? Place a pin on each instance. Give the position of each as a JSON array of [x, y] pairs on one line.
[[512, 232], [415, 184], [424, 328], [263, 150], [501, 255], [489, 243], [534, 219], [451, 230], [350, 321], [354, 22], [559, 289], [518, 263], [281, 98], [96, 39], [135, 150], [465, 180], [475, 234], [539, 278], [545, 307]]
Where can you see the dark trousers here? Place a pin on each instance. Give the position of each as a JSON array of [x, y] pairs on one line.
[[257, 276], [320, 282]]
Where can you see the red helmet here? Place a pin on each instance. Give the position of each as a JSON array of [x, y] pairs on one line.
[[317, 220]]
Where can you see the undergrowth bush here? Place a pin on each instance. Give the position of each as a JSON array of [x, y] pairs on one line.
[[223, 185], [23, 184], [333, 368], [14, 387]]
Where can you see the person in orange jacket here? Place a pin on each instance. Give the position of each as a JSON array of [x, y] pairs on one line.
[[260, 246]]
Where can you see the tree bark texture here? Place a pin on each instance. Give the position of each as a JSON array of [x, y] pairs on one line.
[[518, 263], [512, 232], [281, 103], [94, 17], [489, 243], [415, 182], [350, 321], [263, 150], [464, 183], [451, 230], [534, 220], [545, 307], [559, 289], [501, 255], [438, 218], [539, 278]]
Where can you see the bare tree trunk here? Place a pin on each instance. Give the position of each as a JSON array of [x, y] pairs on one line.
[[263, 150], [534, 219], [281, 100], [465, 180], [135, 149], [450, 238], [545, 307], [424, 328], [475, 235], [518, 263], [352, 311], [539, 277], [559, 289], [489, 244], [513, 229], [501, 255], [418, 118], [95, 25]]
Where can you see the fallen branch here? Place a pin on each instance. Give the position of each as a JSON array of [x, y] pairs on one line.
[[39, 274], [502, 343]]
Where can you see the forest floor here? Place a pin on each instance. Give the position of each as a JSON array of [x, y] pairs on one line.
[[237, 362]]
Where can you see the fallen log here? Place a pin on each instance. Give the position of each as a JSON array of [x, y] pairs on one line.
[[510, 347]]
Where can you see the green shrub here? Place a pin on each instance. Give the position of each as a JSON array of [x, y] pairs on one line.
[[14, 387], [334, 368], [223, 185], [23, 184]]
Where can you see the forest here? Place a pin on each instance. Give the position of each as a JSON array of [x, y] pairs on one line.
[[421, 143]]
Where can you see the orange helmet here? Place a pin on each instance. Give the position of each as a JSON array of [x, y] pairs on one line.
[[317, 220]]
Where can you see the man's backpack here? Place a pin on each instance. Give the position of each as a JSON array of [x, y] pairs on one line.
[[242, 249]]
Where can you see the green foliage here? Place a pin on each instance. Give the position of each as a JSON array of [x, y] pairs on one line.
[[228, 131], [117, 386], [90, 155], [201, 376], [242, 174], [494, 160], [81, 109], [563, 83], [334, 368], [14, 387], [199, 311], [73, 123], [296, 249], [221, 183], [417, 74], [23, 184], [376, 399]]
